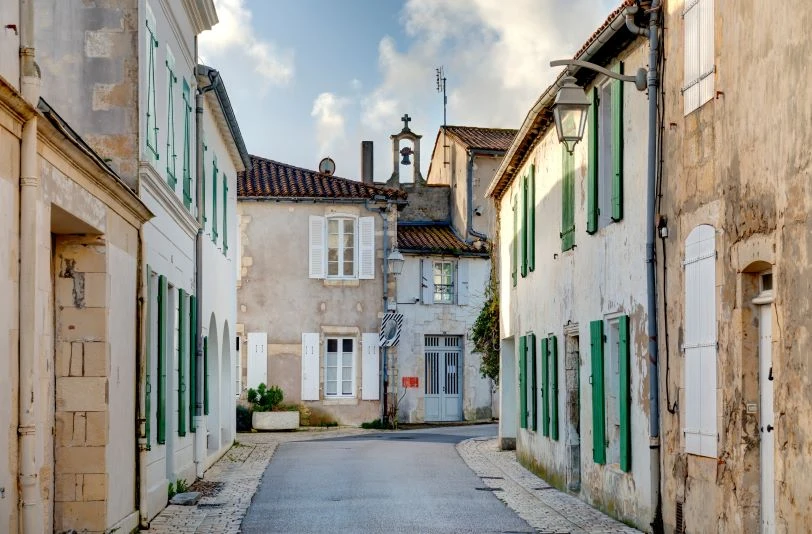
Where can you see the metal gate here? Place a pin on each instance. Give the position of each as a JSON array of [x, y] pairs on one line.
[[443, 401]]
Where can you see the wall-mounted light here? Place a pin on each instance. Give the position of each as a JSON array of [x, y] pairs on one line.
[[395, 261]]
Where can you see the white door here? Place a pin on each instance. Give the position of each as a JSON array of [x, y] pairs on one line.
[[765, 379], [257, 359], [442, 400]]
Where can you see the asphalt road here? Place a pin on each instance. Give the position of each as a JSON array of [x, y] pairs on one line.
[[407, 481]]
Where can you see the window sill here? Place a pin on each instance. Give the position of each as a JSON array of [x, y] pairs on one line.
[[340, 401], [341, 282]]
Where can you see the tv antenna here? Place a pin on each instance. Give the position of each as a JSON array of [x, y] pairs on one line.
[[441, 89]]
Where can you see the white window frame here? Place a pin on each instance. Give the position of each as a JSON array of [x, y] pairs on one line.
[[698, 51], [449, 296], [605, 169], [341, 248], [341, 356]]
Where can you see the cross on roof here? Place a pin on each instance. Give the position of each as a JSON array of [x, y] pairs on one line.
[[406, 118]]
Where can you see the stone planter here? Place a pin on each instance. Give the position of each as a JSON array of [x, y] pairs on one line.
[[275, 420]]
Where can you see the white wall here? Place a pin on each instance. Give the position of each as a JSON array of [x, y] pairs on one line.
[[10, 43]]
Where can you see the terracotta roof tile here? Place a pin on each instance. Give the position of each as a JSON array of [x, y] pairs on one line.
[[433, 238], [483, 138], [268, 178]]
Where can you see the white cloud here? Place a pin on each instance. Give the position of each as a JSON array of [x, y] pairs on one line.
[[328, 110], [234, 38]]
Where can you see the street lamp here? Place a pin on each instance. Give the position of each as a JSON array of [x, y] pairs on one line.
[[570, 111], [395, 262]]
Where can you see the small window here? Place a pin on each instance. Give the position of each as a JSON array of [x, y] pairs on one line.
[[766, 282], [443, 282], [339, 372], [341, 247]]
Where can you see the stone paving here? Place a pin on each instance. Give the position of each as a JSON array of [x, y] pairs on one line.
[[239, 471], [543, 507]]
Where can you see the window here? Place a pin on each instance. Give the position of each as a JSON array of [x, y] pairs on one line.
[[605, 179], [151, 45], [514, 246], [202, 202], [549, 386], [342, 246], [700, 342], [162, 319], [187, 146], [214, 200], [171, 155], [523, 412], [180, 343], [567, 200], [339, 375], [698, 84], [443, 282], [225, 216]]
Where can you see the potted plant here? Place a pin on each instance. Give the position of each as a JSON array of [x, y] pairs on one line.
[[268, 415]]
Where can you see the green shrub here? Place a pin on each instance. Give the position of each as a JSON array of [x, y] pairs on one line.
[[376, 424], [264, 399]]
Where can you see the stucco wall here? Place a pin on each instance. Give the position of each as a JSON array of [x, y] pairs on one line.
[[740, 163], [601, 278]]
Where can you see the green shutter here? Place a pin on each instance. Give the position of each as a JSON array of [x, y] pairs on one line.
[[181, 362], [531, 340], [514, 246], [522, 382], [531, 220], [214, 201], [206, 375], [192, 361], [592, 171], [171, 155], [624, 394], [152, 114], [187, 146], [148, 364], [203, 188], [567, 200], [225, 215], [553, 346], [523, 235], [545, 388], [162, 319], [598, 414], [617, 146]]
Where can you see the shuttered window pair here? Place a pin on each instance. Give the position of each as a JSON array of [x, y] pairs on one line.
[[605, 164], [342, 247], [444, 281], [339, 366], [698, 85], [151, 46], [619, 370]]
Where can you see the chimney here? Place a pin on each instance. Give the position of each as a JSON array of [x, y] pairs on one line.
[[366, 162]]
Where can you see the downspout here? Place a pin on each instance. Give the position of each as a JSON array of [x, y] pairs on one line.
[[384, 350], [651, 193], [31, 506], [200, 420], [143, 445]]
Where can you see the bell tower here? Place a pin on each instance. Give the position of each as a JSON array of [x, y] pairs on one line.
[[400, 156]]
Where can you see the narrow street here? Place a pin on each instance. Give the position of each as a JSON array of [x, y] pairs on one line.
[[413, 481]]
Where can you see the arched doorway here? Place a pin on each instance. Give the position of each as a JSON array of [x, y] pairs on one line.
[[227, 412], [212, 386]]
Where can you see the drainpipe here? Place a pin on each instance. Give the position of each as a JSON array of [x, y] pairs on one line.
[[651, 193], [385, 350], [31, 513], [200, 420]]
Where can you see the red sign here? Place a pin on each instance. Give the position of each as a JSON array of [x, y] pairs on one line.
[[410, 382]]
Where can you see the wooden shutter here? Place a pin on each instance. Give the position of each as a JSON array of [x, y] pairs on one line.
[[617, 146], [192, 361], [553, 348], [171, 154], [181, 362], [187, 146], [317, 246], [366, 248], [214, 171], [593, 171], [462, 282], [257, 372], [206, 375], [523, 222], [624, 394], [698, 85], [225, 215], [545, 387], [598, 408], [531, 220], [568, 201], [370, 367], [148, 363], [522, 382], [163, 303], [514, 245], [534, 415], [310, 366], [427, 281], [152, 114]]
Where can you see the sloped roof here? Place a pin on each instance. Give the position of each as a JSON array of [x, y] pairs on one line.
[[434, 239], [483, 138], [272, 179]]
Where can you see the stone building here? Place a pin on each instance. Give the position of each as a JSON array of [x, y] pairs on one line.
[[734, 268], [571, 253], [311, 288], [68, 328]]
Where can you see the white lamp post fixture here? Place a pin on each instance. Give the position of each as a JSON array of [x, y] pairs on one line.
[[570, 112], [395, 262]]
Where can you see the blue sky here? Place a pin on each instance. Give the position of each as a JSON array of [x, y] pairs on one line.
[[313, 78]]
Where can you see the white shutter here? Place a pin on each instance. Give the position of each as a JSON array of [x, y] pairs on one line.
[[257, 359], [698, 45], [370, 367], [700, 342], [366, 248], [310, 366], [706, 51], [317, 246], [462, 282], [427, 281]]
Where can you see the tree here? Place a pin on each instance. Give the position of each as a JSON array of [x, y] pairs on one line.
[[485, 331]]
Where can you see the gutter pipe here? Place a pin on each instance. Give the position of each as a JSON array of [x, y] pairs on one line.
[[31, 506]]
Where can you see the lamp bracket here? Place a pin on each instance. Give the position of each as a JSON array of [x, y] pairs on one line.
[[639, 78]]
